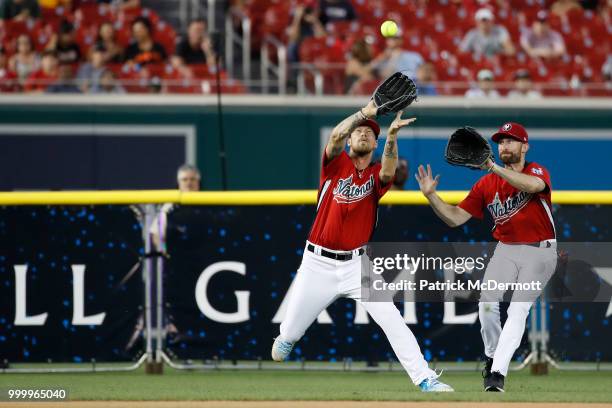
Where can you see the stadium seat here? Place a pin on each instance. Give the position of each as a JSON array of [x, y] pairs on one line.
[[85, 37], [166, 36], [93, 14]]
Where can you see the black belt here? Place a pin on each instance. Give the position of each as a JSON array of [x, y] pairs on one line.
[[332, 255], [540, 244]]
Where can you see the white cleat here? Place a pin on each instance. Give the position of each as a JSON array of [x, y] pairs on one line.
[[432, 384], [281, 349]]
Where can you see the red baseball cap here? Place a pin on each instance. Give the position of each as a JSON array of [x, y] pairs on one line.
[[371, 123], [513, 130]]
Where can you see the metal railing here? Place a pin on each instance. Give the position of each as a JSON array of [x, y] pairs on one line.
[[233, 39], [210, 12], [319, 83], [279, 69], [310, 80]]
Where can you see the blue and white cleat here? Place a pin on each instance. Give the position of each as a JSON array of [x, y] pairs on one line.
[[281, 349], [432, 384]]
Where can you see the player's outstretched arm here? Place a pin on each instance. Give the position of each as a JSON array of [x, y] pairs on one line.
[[343, 130], [389, 159], [520, 181], [452, 215]]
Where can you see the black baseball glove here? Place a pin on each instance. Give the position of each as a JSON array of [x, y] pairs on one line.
[[393, 95], [466, 147]]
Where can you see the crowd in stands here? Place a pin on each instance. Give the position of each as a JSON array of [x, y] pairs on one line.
[[102, 46], [476, 48], [460, 47]]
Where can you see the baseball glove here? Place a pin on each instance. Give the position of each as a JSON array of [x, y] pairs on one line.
[[466, 147], [394, 94]]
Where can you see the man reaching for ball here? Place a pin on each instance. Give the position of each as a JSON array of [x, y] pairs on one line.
[[350, 188]]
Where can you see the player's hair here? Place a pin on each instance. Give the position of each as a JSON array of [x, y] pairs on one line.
[[188, 167]]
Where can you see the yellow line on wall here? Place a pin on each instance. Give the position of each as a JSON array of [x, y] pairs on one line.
[[277, 197]]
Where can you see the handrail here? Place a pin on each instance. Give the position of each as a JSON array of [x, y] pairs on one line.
[[231, 39], [266, 66], [210, 13], [301, 81]]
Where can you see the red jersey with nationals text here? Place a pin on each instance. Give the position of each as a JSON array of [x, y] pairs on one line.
[[347, 204], [518, 216]]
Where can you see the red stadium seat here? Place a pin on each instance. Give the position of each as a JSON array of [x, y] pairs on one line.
[[123, 34], [600, 92], [93, 14], [277, 18], [166, 36], [42, 35], [85, 37], [13, 28], [201, 71], [365, 87], [327, 55]]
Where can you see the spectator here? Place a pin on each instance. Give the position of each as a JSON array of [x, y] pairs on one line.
[[523, 86], [401, 174], [358, 68], [19, 10], [394, 58], [108, 84], [188, 179], [606, 69], [143, 50], [197, 47], [40, 79], [486, 38], [26, 60], [336, 10], [90, 72], [541, 41], [64, 45], [425, 76], [53, 4], [305, 23], [113, 52], [8, 79], [65, 81], [485, 86], [604, 10], [562, 7]]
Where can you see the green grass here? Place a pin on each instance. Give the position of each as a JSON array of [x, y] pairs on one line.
[[313, 385]]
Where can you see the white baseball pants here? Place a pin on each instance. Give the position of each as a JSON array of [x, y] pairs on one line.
[[511, 263], [320, 281]]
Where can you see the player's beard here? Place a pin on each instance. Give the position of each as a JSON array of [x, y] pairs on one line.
[[360, 150], [510, 158]]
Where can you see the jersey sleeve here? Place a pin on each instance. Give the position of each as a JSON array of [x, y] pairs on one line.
[[474, 202], [542, 173], [329, 167], [380, 188]]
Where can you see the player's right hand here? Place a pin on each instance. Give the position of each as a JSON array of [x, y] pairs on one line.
[[427, 183]]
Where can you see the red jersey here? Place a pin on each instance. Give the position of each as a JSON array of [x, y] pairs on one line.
[[347, 204], [518, 216]]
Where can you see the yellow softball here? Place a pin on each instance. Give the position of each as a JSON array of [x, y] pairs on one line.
[[389, 28]]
